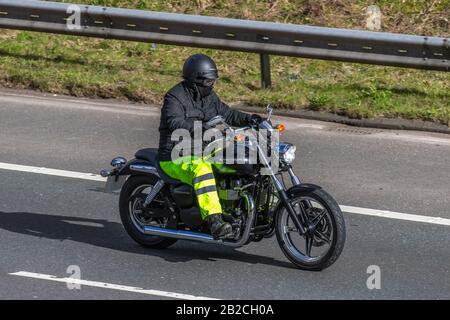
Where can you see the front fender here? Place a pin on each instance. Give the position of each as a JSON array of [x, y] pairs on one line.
[[302, 188], [293, 191]]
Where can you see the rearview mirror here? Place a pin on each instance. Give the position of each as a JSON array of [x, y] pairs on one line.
[[214, 121], [269, 111]]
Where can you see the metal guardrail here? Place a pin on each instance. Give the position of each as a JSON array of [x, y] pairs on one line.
[[379, 48]]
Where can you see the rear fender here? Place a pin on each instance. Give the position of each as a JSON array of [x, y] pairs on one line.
[[138, 166], [133, 167]]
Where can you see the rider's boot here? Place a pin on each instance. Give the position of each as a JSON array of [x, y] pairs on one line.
[[219, 228]]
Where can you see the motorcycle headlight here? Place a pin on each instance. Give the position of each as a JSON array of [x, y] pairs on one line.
[[287, 152]]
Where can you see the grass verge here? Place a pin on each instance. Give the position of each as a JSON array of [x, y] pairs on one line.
[[142, 72]]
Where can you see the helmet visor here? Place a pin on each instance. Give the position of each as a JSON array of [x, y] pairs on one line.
[[206, 82]]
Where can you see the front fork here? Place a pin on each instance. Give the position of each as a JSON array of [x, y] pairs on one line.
[[299, 220], [295, 182]]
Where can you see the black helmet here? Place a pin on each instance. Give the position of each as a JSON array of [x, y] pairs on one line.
[[198, 68]]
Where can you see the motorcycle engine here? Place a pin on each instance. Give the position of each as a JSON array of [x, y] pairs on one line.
[[230, 199]]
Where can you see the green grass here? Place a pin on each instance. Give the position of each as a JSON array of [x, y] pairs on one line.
[[139, 72]]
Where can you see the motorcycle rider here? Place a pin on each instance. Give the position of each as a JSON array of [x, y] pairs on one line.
[[194, 99]]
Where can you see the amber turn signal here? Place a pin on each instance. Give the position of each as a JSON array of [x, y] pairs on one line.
[[280, 127], [240, 137]]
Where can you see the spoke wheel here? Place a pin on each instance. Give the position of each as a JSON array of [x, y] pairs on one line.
[[306, 247], [134, 218], [323, 241], [138, 215]]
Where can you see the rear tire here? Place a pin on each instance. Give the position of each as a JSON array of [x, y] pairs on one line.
[[149, 241]]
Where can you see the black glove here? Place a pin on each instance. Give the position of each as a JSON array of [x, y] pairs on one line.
[[255, 120]]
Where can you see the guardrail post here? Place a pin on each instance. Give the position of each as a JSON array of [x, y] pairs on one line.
[[265, 71]]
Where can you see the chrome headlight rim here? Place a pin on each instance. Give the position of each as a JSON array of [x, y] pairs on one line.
[[287, 152]]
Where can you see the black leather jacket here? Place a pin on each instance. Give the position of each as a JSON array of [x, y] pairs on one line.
[[182, 106]]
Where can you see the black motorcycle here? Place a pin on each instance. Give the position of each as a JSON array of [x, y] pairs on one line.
[[157, 210]]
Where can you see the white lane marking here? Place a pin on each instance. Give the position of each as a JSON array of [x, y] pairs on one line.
[[348, 209], [146, 111], [52, 172], [105, 285], [396, 215]]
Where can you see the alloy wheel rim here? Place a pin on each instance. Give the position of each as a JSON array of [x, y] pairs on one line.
[[317, 237]]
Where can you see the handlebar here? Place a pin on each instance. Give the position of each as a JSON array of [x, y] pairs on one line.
[[226, 138]]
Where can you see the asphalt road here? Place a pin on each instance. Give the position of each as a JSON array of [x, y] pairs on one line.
[[48, 223]]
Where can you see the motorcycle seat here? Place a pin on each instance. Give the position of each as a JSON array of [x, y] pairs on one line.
[[151, 155], [148, 154]]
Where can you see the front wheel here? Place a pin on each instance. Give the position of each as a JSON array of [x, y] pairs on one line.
[[322, 244], [133, 217]]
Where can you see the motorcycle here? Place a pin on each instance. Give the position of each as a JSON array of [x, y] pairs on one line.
[[157, 210]]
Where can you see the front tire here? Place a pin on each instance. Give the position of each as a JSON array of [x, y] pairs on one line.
[[131, 222], [329, 234]]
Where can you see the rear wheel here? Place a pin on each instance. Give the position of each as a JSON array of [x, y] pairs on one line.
[[322, 244], [132, 197]]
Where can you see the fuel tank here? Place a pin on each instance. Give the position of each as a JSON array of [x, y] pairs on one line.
[[241, 161]]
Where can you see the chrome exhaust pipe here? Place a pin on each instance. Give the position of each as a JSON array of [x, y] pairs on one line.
[[207, 238], [251, 212], [180, 234]]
